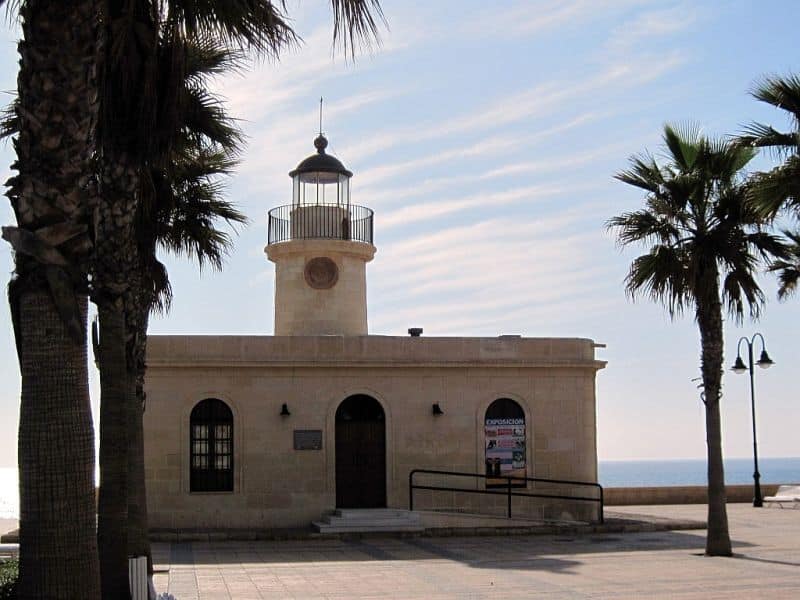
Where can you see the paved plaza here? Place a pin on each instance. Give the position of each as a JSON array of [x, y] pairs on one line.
[[630, 565]]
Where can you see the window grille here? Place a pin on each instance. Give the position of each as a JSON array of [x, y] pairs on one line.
[[211, 447]]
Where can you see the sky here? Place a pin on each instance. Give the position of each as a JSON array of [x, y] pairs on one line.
[[485, 137]]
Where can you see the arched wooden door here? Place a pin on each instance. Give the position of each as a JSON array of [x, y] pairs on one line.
[[360, 453]]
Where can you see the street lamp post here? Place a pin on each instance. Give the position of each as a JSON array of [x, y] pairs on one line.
[[739, 367]]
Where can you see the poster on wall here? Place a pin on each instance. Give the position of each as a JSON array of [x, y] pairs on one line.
[[505, 451]]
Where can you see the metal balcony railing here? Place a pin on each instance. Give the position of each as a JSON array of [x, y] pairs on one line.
[[320, 221]]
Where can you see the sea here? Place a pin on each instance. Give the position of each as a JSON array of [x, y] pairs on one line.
[[613, 473], [645, 473]]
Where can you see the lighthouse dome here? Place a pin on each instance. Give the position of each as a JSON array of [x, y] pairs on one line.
[[320, 167]]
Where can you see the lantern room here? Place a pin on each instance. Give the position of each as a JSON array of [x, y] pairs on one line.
[[320, 207], [321, 179]]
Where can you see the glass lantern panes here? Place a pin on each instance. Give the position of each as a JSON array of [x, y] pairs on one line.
[[321, 188], [211, 447]]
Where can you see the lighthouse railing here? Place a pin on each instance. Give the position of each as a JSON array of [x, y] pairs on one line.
[[320, 221]]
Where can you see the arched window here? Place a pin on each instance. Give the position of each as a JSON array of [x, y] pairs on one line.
[[211, 447], [505, 443]]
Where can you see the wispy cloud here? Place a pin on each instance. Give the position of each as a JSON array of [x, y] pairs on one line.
[[511, 273], [531, 103], [423, 192], [487, 146], [545, 165], [491, 146], [491, 200], [654, 24], [272, 87], [525, 18]]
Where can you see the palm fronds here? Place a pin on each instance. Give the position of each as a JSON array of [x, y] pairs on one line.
[[259, 25], [355, 22], [781, 92], [778, 188], [181, 201], [788, 268], [696, 222]]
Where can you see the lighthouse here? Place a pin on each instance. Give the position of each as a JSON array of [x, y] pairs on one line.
[[320, 244], [258, 432]]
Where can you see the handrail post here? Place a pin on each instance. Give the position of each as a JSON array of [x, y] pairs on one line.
[[411, 490], [508, 488], [602, 504]]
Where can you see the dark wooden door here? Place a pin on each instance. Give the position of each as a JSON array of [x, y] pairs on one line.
[[360, 464]]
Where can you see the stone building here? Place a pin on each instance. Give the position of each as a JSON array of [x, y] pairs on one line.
[[257, 432]]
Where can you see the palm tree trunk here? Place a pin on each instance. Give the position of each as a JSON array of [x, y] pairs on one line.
[[57, 116], [138, 539], [115, 283], [709, 320], [58, 551], [113, 503]]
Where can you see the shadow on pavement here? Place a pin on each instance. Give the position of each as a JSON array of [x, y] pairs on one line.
[[766, 560], [558, 554]]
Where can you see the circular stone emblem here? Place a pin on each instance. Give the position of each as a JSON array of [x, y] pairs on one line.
[[321, 273]]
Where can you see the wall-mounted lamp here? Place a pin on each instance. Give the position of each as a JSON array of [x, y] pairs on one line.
[[285, 410], [437, 410]]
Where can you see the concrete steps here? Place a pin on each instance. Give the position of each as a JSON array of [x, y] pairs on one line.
[[369, 520]]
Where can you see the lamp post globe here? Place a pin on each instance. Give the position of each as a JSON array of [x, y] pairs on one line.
[[765, 362]]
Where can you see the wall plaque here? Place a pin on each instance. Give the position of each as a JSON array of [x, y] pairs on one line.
[[308, 439]]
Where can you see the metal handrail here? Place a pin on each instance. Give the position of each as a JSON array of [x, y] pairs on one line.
[[507, 492], [348, 222]]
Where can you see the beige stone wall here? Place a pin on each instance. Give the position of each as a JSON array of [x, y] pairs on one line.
[[303, 310], [276, 486]]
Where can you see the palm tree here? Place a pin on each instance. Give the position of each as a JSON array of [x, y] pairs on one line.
[[186, 205], [780, 187], [60, 213], [705, 244], [56, 115], [140, 100]]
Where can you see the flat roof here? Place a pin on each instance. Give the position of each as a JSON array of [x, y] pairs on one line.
[[370, 351]]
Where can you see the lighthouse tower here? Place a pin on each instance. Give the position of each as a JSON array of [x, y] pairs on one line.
[[320, 244]]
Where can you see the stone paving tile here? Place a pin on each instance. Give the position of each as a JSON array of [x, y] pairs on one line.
[[643, 565]]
